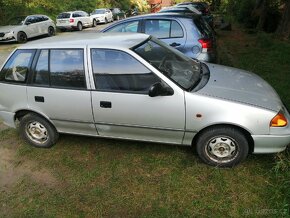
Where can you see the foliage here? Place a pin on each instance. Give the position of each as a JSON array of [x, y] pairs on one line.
[[12, 8]]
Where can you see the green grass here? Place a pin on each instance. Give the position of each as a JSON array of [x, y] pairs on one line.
[[92, 177]]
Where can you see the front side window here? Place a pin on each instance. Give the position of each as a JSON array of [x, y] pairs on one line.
[[179, 68], [17, 67], [163, 28], [126, 27], [61, 68], [117, 71]]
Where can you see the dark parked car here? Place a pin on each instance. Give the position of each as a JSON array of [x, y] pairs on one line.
[[201, 6], [180, 9], [188, 33], [118, 14]]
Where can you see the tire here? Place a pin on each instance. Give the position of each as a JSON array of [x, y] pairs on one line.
[[95, 23], [37, 131], [79, 26], [106, 20], [51, 31], [21, 37], [222, 146]]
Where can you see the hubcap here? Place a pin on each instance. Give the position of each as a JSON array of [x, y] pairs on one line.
[[222, 149], [37, 132]]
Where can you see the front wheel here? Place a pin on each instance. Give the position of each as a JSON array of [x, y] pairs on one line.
[[37, 131], [21, 37], [222, 146], [95, 23]]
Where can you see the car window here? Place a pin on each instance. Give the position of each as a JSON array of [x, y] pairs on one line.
[[125, 27], [62, 68], [163, 28], [41, 75], [63, 16], [76, 15], [17, 67], [30, 20], [117, 71]]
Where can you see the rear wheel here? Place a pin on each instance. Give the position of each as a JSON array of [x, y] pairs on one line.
[[21, 37], [106, 20], [37, 131], [80, 26], [51, 31], [222, 146]]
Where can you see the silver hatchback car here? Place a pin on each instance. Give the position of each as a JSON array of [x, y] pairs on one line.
[[133, 86]]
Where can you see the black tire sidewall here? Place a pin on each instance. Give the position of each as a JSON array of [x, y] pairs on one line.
[[51, 31], [229, 132], [19, 37], [52, 133], [80, 26]]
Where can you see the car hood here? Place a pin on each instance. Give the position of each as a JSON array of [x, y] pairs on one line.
[[240, 86], [7, 28]]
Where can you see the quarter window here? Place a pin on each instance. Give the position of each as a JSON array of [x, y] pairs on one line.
[[16, 69], [118, 71], [163, 28]]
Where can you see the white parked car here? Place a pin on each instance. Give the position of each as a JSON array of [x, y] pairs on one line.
[[25, 27], [73, 20], [136, 87], [102, 15]]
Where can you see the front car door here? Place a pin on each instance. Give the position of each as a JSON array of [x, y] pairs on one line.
[[58, 89], [121, 105]]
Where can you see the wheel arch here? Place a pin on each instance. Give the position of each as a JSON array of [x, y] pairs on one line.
[[245, 132], [21, 113]]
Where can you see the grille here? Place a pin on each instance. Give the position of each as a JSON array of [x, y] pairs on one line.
[[2, 34]]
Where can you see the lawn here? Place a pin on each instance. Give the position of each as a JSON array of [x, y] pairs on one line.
[[91, 177]]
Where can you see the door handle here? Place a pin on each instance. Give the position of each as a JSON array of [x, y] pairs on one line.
[[39, 98], [105, 104], [174, 44]]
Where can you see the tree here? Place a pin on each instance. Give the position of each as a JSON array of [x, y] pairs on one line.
[[283, 29]]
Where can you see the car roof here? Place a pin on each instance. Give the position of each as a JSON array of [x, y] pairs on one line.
[[98, 40], [168, 15]]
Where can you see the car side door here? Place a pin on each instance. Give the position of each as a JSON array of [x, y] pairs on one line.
[[58, 90], [30, 26], [169, 31], [121, 105]]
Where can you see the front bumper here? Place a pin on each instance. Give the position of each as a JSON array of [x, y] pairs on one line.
[[270, 143]]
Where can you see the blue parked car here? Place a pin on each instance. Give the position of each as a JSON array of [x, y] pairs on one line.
[[188, 33]]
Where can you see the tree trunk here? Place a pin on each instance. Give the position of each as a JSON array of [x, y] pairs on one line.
[[283, 29], [262, 7]]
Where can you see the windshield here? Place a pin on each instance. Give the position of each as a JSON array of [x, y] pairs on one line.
[[99, 11], [17, 20], [182, 70]]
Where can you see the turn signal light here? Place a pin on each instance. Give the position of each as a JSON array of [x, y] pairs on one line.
[[279, 120]]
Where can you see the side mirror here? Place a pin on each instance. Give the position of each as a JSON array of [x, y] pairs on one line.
[[158, 89], [28, 23]]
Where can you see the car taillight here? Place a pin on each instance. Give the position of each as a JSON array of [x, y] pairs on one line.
[[279, 120], [71, 20], [206, 44]]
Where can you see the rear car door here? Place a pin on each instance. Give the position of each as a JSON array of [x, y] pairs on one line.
[[121, 105], [58, 90], [168, 30]]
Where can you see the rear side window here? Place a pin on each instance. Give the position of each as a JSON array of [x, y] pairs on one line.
[[17, 67], [125, 27], [163, 28], [61, 68], [63, 16]]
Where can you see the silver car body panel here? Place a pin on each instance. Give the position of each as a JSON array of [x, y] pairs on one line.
[[172, 119]]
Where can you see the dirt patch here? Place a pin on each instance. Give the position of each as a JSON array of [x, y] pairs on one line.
[[13, 169]]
